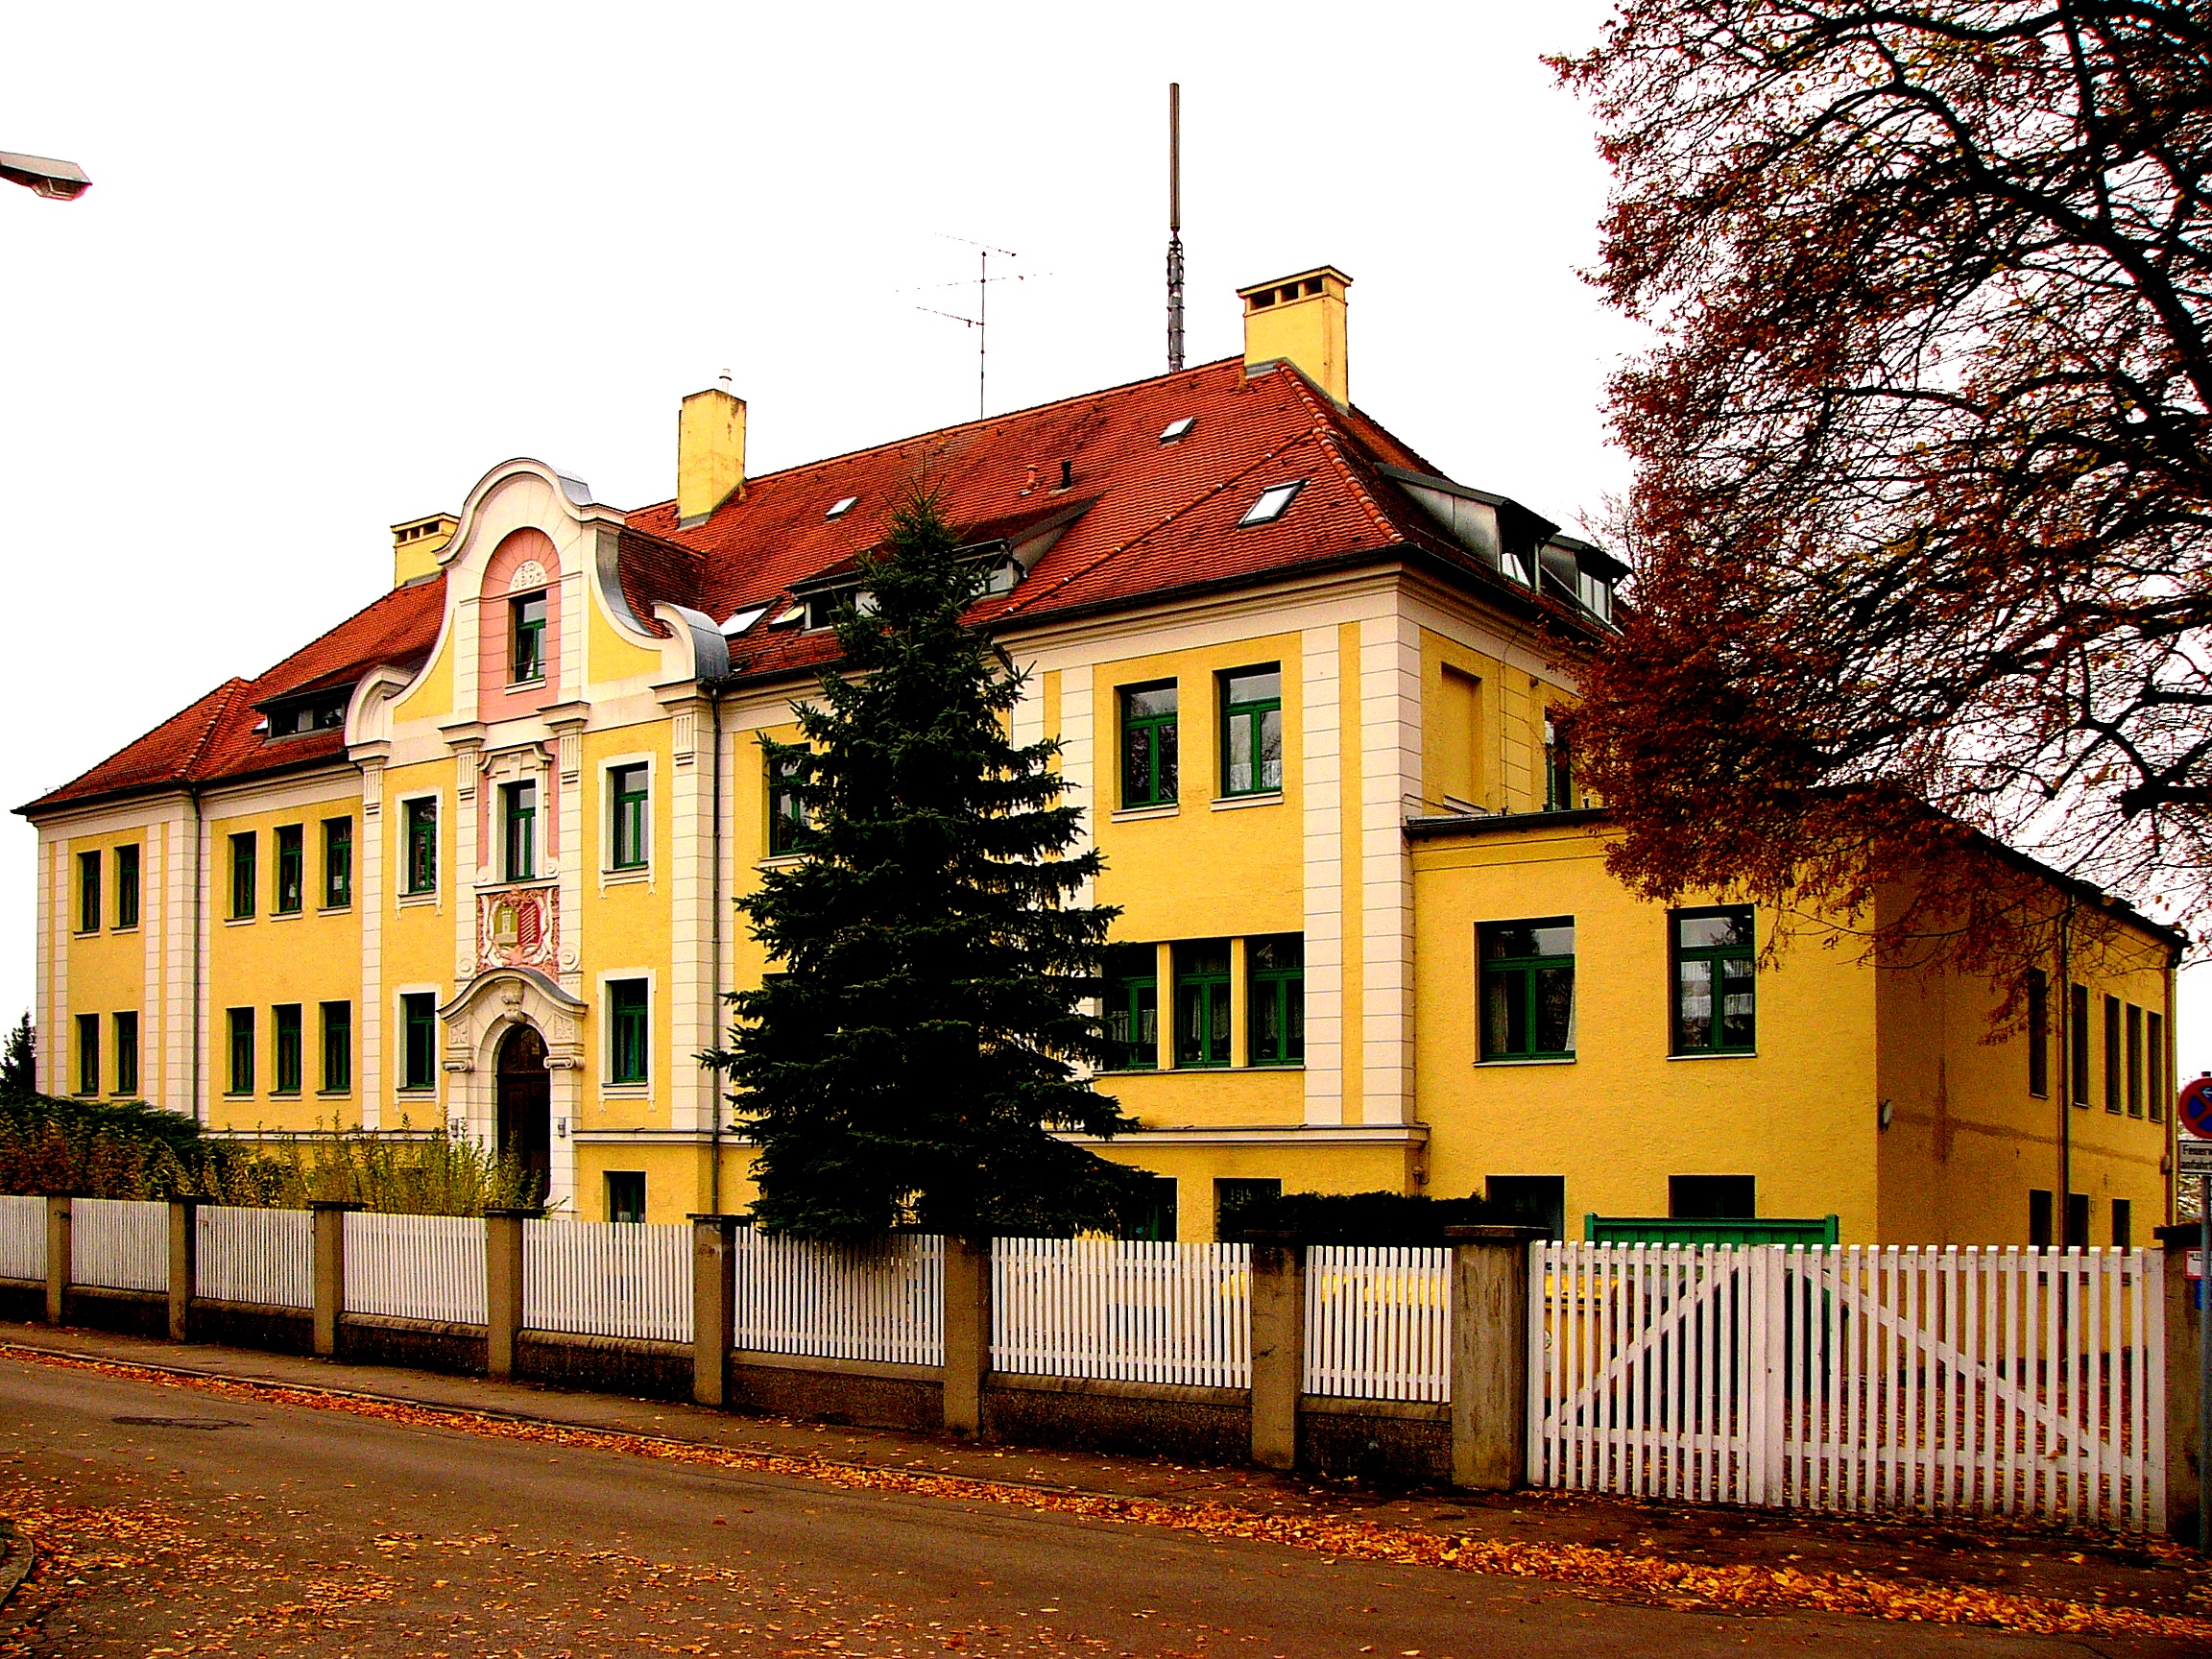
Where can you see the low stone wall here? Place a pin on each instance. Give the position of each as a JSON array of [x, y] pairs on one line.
[[253, 1325], [413, 1344], [1384, 1442], [23, 1300], [1086, 1414], [131, 1313], [856, 1391], [605, 1364]]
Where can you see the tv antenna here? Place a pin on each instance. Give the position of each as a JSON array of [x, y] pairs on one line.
[[1174, 226], [981, 320]]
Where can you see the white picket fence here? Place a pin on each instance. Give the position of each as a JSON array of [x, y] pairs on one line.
[[607, 1279], [416, 1266], [883, 1302], [1128, 1311], [22, 1237], [1998, 1381], [1379, 1322], [263, 1255], [121, 1243]]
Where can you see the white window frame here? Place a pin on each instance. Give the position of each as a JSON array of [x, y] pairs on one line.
[[609, 871], [401, 896], [609, 1089]]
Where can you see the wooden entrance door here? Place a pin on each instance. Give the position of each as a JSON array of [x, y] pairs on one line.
[[527, 1104]]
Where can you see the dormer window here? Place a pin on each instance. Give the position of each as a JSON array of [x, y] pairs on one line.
[[822, 608], [740, 621], [1176, 430], [843, 505], [1274, 501], [527, 613], [792, 616], [324, 713]]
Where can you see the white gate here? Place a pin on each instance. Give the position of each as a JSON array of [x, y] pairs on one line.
[[2000, 1382]]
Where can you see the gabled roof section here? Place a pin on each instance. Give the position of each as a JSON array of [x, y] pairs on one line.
[[1159, 518], [215, 739]]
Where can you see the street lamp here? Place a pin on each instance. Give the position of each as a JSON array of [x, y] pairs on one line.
[[62, 180]]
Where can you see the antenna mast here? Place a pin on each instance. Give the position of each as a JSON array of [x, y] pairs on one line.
[[981, 320], [1174, 226]]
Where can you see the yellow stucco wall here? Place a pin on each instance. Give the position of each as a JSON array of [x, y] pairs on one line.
[[308, 957], [108, 966], [1624, 1115]]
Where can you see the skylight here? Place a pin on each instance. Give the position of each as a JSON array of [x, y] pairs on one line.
[[1177, 429], [794, 615], [740, 621], [841, 506], [1274, 501]]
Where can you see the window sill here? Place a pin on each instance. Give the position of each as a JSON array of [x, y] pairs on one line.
[[629, 875], [286, 915], [237, 1094], [518, 884], [418, 901], [415, 1094], [536, 685], [344, 909], [334, 1093], [781, 861], [1721, 1054], [119, 928], [1538, 1060], [1135, 814], [1236, 803], [85, 933], [625, 1090], [239, 921]]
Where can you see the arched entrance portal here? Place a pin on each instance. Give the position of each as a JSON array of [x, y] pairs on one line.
[[526, 1103]]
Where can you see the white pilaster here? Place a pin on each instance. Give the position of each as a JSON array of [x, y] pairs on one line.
[[50, 967], [1078, 748], [686, 1021], [369, 906], [1389, 775], [153, 855], [1321, 719]]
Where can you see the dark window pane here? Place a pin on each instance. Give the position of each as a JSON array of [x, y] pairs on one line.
[[1554, 1010], [1271, 749], [1694, 1020], [1713, 932], [1257, 685], [1150, 701]]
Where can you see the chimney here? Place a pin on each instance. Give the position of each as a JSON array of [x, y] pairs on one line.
[[1300, 320], [415, 545], [710, 454]]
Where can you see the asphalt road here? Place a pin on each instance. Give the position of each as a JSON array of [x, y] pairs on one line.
[[191, 1524]]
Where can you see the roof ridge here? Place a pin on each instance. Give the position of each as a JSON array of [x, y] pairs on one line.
[[221, 702], [960, 427]]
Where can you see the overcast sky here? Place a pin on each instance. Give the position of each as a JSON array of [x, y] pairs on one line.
[[340, 262]]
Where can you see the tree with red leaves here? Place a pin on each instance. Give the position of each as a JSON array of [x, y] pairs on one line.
[[1922, 505]]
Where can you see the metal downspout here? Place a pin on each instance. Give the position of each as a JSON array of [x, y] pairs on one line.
[[713, 691], [199, 946], [2066, 1100]]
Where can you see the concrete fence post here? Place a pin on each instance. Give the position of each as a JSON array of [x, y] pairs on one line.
[[329, 1272], [1490, 1357], [58, 1258], [2184, 1472], [1277, 1347], [503, 1290], [967, 1332], [713, 1306], [183, 1265]]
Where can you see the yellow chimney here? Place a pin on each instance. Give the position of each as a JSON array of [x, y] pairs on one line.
[[1300, 320], [710, 454], [415, 545]]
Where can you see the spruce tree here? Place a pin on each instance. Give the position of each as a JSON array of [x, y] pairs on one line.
[[921, 1030], [19, 1062]]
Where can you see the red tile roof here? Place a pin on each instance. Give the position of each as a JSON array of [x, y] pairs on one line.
[[1156, 520], [214, 739]]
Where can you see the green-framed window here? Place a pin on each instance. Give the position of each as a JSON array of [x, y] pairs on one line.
[[2077, 1042], [2114, 1086], [127, 886], [1148, 745], [528, 617], [631, 1028], [787, 810], [419, 1024], [2038, 1032], [1252, 730], [1202, 1004], [1558, 769], [241, 1050], [422, 845], [1132, 1007], [244, 873], [1716, 980], [87, 892], [291, 870], [2134, 1061], [284, 1021], [626, 1196], [2155, 1064], [519, 813], [1275, 978], [1527, 989], [337, 1047], [88, 1053], [126, 1052], [337, 863], [626, 789]]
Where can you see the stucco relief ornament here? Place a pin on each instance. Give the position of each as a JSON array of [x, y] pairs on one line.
[[527, 574], [517, 930]]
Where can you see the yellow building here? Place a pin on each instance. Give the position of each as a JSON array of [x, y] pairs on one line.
[[468, 859]]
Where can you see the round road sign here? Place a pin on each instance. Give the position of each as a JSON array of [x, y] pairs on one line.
[[2194, 1108]]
